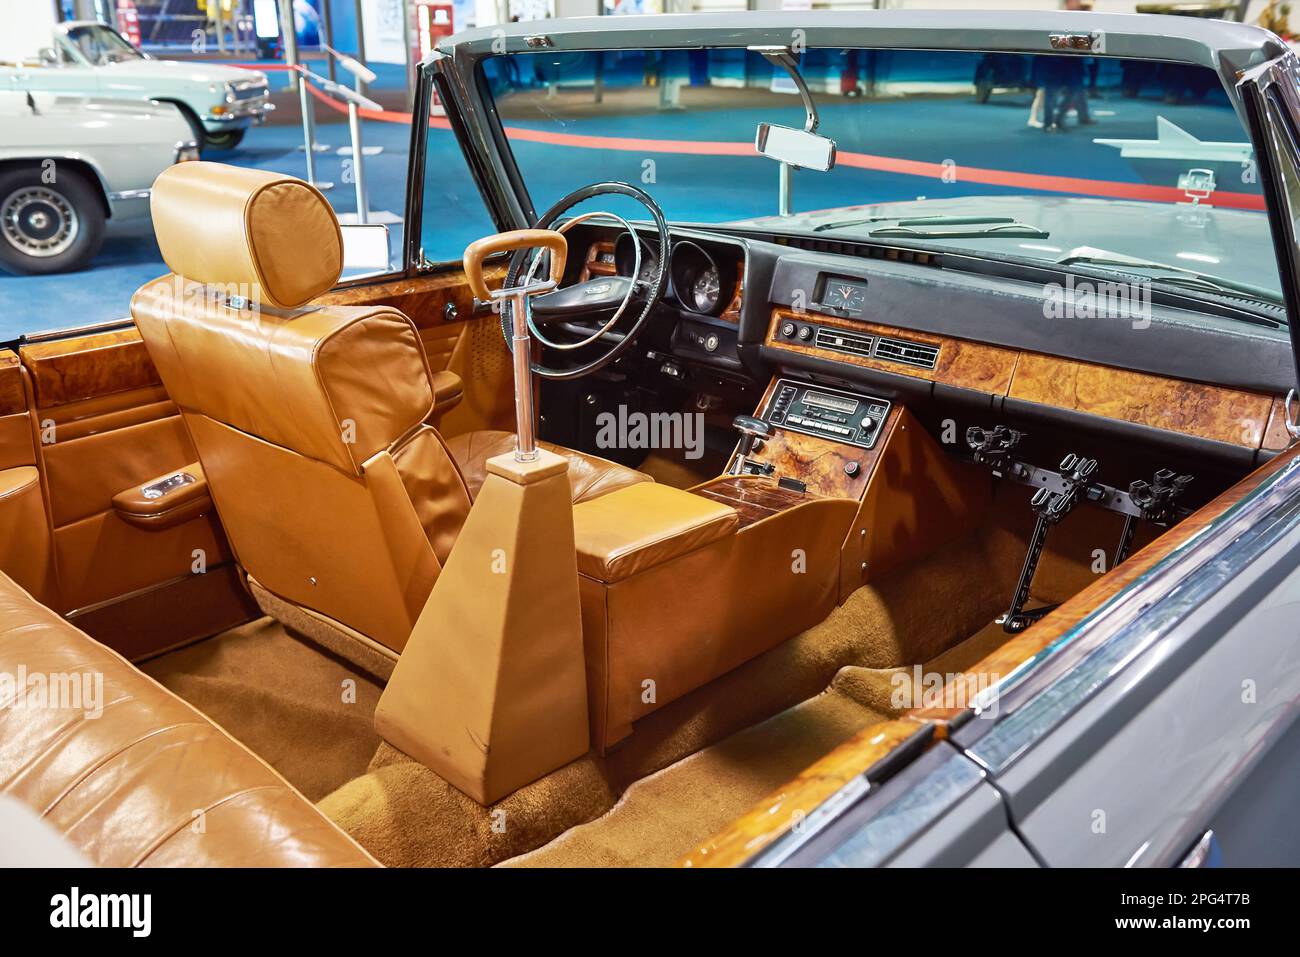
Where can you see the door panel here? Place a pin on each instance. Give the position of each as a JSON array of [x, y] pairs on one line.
[[26, 554], [455, 338], [103, 424]]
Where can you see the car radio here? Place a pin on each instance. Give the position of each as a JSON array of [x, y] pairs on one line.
[[826, 413]]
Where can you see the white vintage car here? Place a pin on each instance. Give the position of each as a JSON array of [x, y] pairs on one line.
[[70, 164], [84, 56]]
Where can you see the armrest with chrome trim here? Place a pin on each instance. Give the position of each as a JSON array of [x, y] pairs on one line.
[[165, 501]]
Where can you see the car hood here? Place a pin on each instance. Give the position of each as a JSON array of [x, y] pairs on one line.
[[58, 106], [182, 70], [1231, 243]]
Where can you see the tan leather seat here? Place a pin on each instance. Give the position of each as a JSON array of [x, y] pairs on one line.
[[311, 422], [128, 773], [589, 476]]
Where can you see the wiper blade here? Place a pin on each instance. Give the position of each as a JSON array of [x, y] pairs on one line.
[[1177, 276], [1008, 228], [942, 227]]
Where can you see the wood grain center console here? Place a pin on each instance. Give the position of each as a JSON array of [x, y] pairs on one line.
[[828, 442]]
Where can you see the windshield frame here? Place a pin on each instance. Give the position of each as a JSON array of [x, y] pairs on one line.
[[68, 43], [1224, 47]]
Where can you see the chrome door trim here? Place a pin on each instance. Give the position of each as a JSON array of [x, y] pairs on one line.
[[921, 802]]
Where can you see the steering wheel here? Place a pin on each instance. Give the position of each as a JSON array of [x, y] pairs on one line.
[[606, 296]]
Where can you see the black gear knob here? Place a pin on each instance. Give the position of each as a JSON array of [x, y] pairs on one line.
[[751, 429]]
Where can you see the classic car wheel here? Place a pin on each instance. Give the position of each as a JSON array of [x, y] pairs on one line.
[[225, 140], [48, 227]]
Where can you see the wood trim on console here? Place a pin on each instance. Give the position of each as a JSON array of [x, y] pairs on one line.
[[754, 497]]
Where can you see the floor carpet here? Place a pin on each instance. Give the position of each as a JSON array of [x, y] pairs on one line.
[[308, 714]]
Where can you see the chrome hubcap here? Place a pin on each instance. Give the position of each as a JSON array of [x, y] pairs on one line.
[[39, 221]]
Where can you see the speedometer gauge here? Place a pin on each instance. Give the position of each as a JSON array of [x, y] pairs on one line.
[[706, 289]]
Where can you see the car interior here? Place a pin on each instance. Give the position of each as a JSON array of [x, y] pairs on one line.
[[337, 612]]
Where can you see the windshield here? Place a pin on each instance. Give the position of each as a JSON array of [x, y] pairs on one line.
[[1100, 163], [101, 45]]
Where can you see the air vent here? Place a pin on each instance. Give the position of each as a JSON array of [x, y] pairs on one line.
[[860, 250], [909, 353], [850, 343]]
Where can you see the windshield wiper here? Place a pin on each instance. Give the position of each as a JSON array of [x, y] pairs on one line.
[[1177, 276], [942, 227]]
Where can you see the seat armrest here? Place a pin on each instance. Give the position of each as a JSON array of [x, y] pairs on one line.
[[447, 391], [644, 525], [165, 501]]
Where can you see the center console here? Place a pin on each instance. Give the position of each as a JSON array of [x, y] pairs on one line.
[[827, 413], [809, 441]]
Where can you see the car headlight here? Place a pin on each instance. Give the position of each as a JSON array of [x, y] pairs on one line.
[[187, 151]]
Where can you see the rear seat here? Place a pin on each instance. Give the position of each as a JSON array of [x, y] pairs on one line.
[[148, 782]]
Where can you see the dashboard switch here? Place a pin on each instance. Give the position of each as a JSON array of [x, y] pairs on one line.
[[851, 469], [787, 330], [805, 333]]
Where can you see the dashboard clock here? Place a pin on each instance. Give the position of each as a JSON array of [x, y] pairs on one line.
[[847, 295]]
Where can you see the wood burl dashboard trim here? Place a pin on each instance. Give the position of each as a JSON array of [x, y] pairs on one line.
[[1232, 416], [970, 365]]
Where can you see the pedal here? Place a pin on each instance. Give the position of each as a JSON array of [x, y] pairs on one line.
[[1156, 502], [1051, 505], [993, 447]]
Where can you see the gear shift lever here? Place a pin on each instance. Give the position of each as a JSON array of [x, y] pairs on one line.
[[752, 432]]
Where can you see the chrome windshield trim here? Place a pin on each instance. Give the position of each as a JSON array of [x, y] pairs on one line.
[[1138, 617]]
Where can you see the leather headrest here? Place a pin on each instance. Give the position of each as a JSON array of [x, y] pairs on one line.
[[275, 237]]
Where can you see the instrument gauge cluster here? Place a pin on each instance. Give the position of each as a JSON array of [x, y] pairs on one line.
[[698, 281]]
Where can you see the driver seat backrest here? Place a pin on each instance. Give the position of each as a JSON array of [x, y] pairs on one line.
[[309, 421]]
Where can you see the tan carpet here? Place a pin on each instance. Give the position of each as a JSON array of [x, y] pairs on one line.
[[283, 699], [663, 817], [308, 714]]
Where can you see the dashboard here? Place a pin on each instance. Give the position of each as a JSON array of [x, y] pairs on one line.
[[920, 326]]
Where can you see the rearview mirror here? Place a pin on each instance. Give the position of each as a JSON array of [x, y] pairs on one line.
[[795, 147]]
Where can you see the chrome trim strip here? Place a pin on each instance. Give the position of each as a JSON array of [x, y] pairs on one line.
[[125, 194], [890, 827], [1135, 619]]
